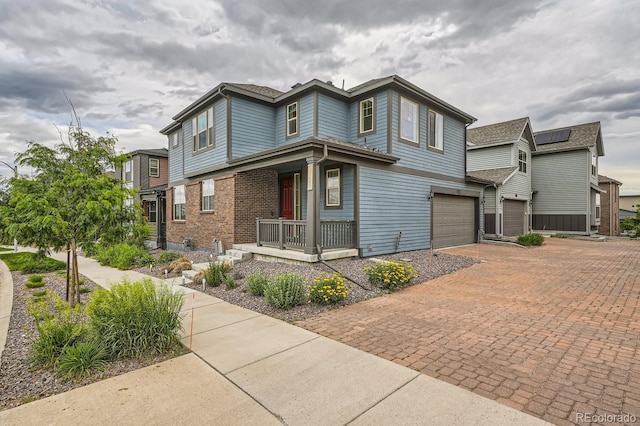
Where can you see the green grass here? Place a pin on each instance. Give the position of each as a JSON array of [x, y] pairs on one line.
[[31, 284], [5, 249], [84, 290], [28, 263], [39, 293]]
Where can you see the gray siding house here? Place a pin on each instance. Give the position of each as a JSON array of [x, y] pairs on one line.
[[500, 156], [565, 179], [375, 169]]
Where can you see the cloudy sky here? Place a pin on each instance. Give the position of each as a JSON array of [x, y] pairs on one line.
[[129, 66]]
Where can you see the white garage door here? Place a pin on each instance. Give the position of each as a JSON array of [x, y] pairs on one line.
[[513, 216], [453, 220]]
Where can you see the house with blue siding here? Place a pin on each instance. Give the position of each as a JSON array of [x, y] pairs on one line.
[[500, 156], [375, 169]]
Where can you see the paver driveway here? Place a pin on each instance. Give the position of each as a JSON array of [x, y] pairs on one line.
[[552, 331]]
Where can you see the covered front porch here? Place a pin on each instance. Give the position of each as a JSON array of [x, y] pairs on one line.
[[316, 207]]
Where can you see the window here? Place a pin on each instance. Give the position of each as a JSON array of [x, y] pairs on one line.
[[153, 211], [202, 125], [597, 206], [128, 177], [436, 130], [179, 203], [208, 189], [366, 116], [594, 164], [173, 139], [297, 202], [522, 161], [409, 120], [154, 167], [333, 196], [292, 119]]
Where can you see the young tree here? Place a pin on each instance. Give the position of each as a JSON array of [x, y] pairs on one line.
[[70, 200]]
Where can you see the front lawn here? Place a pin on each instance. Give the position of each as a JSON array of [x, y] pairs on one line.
[[28, 263]]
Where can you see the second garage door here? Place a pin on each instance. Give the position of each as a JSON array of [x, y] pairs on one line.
[[513, 217], [454, 220]]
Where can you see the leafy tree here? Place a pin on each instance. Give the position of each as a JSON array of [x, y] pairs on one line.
[[70, 200]]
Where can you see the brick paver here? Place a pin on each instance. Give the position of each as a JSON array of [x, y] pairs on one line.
[[552, 331]]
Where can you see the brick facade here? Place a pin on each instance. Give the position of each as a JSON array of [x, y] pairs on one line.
[[239, 199], [609, 209]]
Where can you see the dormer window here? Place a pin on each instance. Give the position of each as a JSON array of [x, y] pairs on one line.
[[203, 135], [292, 119], [366, 116]]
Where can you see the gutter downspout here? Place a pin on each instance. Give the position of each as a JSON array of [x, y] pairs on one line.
[[226, 98]]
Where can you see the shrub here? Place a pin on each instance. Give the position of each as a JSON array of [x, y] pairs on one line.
[[84, 290], [229, 282], [391, 275], [79, 360], [39, 293], [217, 273], [533, 239], [133, 319], [36, 278], [59, 326], [168, 257], [31, 284], [256, 283], [285, 291], [330, 289], [124, 256]]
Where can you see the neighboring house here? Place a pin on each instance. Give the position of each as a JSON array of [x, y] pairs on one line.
[[565, 179], [379, 168], [148, 171], [500, 156], [630, 202], [609, 206]]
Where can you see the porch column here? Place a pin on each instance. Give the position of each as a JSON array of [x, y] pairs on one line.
[[313, 201]]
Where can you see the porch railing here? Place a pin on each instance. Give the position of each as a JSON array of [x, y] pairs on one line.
[[291, 234]]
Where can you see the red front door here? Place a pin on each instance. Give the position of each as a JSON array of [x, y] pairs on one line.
[[286, 197]]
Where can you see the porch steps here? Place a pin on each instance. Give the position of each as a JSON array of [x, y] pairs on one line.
[[238, 254]]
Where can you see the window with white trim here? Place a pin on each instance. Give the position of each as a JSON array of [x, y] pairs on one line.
[[292, 119], [594, 164], [333, 196], [297, 202], [409, 120], [153, 211], [597, 205], [522, 161], [127, 176], [208, 191], [179, 203], [173, 139], [436, 130], [366, 116], [202, 128], [154, 167]]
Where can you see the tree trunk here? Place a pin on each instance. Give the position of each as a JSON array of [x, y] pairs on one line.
[[74, 266]]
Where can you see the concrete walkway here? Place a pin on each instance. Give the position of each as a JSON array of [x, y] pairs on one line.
[[248, 368]]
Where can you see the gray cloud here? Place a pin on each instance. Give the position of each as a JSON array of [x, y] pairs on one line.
[[40, 88]]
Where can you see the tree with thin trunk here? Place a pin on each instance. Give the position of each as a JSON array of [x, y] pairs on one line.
[[70, 201]]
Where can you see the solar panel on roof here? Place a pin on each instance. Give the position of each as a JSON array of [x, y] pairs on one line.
[[560, 136], [543, 138]]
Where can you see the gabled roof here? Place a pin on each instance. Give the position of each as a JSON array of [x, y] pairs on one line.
[[500, 134], [580, 136], [496, 176], [606, 179], [272, 96]]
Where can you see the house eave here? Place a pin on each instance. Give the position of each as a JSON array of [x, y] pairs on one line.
[[170, 128], [474, 147]]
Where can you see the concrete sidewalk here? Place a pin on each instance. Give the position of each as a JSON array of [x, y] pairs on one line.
[[248, 368]]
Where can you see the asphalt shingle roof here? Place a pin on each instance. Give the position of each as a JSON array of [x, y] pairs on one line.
[[261, 90], [498, 176], [581, 136], [494, 134]]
